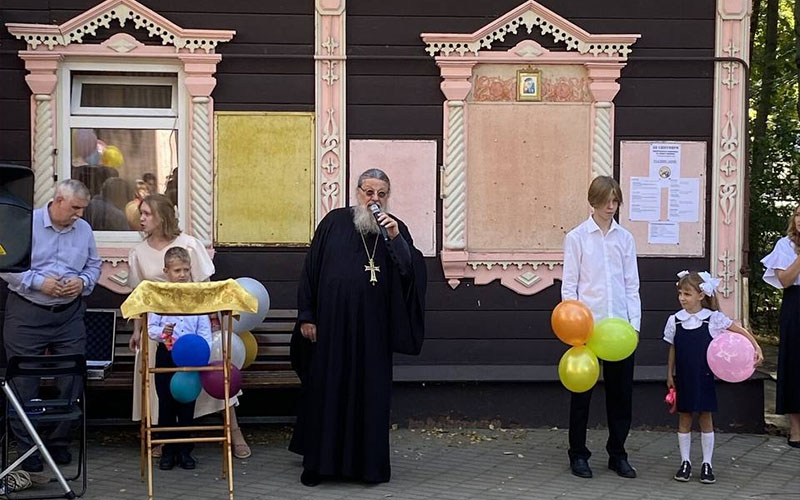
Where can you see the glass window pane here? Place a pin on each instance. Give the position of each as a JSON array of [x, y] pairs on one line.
[[120, 167], [107, 95]]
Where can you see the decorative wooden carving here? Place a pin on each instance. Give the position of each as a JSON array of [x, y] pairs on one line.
[[727, 213], [601, 57], [330, 105]]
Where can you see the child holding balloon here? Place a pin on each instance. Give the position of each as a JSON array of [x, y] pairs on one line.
[[173, 408], [689, 333]]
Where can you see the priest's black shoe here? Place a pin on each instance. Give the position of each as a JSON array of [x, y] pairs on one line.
[[167, 461], [310, 478], [186, 461], [793, 444], [622, 467], [580, 468]]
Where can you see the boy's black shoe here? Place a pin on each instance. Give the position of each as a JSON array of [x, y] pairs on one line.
[[707, 474], [622, 467], [33, 463], [167, 461], [310, 478], [580, 467], [186, 461], [684, 472], [61, 455]]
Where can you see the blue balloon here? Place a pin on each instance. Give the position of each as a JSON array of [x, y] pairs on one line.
[[185, 386], [191, 350]]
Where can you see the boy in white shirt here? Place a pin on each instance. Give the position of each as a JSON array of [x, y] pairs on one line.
[[600, 270], [166, 330]]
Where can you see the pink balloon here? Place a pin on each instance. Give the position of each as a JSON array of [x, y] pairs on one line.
[[213, 382], [731, 357]]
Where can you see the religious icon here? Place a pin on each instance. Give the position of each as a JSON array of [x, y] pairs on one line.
[[529, 83]]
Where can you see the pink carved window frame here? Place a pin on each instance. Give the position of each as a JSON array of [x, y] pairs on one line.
[[191, 51], [457, 55]]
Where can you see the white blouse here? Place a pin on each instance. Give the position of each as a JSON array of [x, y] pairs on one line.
[[147, 263], [717, 322], [781, 257]]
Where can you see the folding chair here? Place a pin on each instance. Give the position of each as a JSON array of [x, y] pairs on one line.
[[48, 411], [227, 297]]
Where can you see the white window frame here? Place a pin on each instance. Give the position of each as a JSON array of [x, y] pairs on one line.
[[78, 82], [67, 121]]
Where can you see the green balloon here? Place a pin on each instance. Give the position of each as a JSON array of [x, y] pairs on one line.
[[613, 339]]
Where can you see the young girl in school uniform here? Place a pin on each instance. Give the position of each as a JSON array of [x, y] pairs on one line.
[[689, 332]]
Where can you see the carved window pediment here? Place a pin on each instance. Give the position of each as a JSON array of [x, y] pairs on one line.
[[123, 12], [529, 16]]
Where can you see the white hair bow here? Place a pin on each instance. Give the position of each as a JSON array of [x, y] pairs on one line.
[[682, 274], [709, 284]]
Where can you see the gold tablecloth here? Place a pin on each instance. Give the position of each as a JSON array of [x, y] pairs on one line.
[[188, 298]]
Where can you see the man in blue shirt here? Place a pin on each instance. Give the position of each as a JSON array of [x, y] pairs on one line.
[[45, 305]]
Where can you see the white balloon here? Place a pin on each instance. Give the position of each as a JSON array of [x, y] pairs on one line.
[[249, 321], [238, 351]]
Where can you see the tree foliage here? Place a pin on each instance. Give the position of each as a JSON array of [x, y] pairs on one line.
[[774, 178]]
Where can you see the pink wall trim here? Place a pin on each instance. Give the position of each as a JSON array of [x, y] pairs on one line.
[[728, 163], [457, 55], [330, 108]]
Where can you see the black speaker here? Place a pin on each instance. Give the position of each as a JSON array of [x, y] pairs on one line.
[[16, 217]]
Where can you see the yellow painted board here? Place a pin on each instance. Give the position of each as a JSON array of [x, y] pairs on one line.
[[264, 178]]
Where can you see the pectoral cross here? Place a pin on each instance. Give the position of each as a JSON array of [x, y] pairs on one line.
[[372, 269]]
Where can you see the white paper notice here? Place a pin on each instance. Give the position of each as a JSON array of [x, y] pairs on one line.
[[665, 161], [663, 233], [645, 203], [684, 200]]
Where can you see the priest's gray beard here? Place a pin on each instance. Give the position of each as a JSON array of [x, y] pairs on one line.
[[364, 220]]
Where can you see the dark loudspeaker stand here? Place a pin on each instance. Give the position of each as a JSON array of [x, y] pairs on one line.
[[16, 217]]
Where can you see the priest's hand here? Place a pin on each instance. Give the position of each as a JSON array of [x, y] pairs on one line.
[[390, 225], [309, 331]]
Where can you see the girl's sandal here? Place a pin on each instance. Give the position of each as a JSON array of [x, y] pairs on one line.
[[239, 445]]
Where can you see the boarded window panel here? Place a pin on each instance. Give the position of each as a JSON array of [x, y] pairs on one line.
[[264, 178]]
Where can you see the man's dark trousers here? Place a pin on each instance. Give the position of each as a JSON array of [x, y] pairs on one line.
[[618, 385]]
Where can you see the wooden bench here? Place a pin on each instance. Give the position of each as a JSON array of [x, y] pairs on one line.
[[271, 368]]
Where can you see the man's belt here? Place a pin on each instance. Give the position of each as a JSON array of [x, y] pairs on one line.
[[56, 308]]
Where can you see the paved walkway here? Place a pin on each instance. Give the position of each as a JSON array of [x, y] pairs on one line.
[[460, 464]]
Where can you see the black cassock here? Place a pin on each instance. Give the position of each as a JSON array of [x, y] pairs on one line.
[[342, 425]]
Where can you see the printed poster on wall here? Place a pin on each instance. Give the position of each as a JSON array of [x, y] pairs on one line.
[[665, 162]]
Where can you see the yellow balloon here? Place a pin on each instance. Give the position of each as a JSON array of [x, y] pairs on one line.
[[250, 348], [112, 157], [579, 369]]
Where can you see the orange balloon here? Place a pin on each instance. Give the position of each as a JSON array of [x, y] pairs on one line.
[[573, 322]]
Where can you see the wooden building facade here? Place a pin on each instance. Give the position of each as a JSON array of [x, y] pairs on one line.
[[415, 87]]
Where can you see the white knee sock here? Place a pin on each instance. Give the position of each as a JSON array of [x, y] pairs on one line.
[[707, 438], [685, 444]]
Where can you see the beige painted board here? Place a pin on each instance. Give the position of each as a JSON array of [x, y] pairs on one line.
[[411, 167], [528, 170], [264, 178], [635, 162]]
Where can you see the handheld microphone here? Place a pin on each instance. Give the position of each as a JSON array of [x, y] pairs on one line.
[[376, 211]]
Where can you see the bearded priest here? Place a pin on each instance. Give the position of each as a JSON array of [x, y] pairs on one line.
[[361, 297]]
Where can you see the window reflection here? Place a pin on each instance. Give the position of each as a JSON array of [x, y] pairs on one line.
[[120, 167]]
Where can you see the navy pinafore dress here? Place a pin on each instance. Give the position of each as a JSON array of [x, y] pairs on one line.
[[694, 381]]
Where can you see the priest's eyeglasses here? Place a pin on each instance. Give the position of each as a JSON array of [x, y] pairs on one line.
[[370, 193]]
